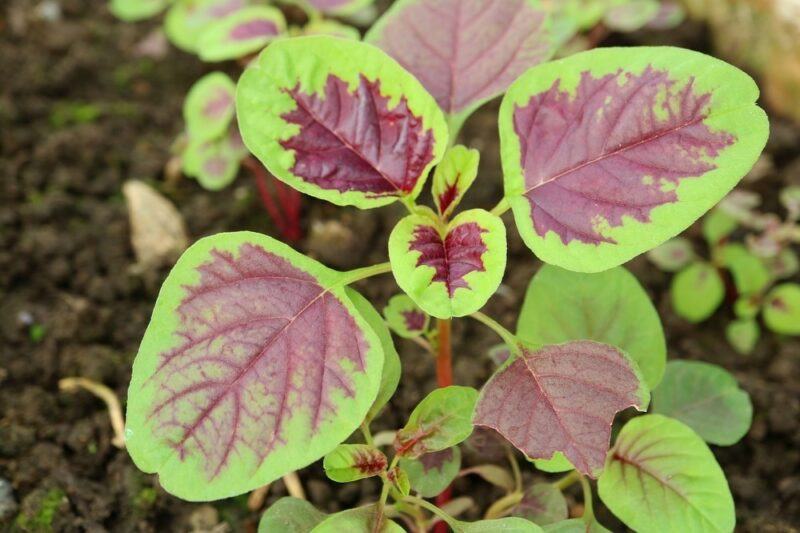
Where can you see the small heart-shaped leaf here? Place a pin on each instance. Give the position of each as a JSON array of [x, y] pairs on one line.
[[782, 309], [697, 291], [405, 317], [241, 33], [453, 177]]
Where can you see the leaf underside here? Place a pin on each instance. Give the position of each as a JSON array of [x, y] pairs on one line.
[[562, 398]]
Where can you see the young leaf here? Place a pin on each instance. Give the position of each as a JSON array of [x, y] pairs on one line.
[[782, 309], [332, 28], [390, 376], [361, 519], [431, 473], [750, 274], [453, 176], [350, 462], [673, 255], [133, 10], [743, 335], [785, 265], [609, 307], [747, 306], [562, 398], [500, 525], [209, 107], [707, 399], [608, 153], [576, 525], [557, 463], [661, 477], [697, 291], [187, 20], [631, 15], [441, 420], [670, 15], [254, 364], [290, 515], [543, 504], [400, 482], [214, 163], [449, 271], [463, 51], [405, 317], [243, 32], [717, 225], [336, 7], [361, 133]]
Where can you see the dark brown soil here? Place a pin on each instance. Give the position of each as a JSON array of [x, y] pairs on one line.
[[80, 113]]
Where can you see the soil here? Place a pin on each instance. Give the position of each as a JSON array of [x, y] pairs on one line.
[[81, 112]]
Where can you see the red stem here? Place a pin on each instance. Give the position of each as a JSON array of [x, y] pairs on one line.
[[287, 221], [444, 377]]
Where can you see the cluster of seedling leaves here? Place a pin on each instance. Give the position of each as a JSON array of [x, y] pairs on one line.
[[259, 360], [758, 268]]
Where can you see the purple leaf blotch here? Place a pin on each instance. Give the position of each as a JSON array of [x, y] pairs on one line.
[[253, 28], [617, 148], [561, 398], [260, 341], [453, 257], [354, 142], [414, 320]]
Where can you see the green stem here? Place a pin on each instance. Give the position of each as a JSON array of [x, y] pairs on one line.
[[512, 460], [384, 495], [367, 434], [509, 338], [501, 207], [452, 522], [588, 510], [567, 480], [351, 276]]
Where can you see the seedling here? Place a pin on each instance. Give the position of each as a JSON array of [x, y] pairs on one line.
[[756, 266], [259, 360]]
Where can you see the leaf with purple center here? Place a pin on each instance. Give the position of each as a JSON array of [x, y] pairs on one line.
[[464, 52], [543, 504], [453, 177], [363, 133], [453, 270], [255, 364], [441, 420], [782, 309], [609, 153], [209, 107], [405, 317], [673, 255], [243, 32], [214, 163], [351, 462], [431, 473], [187, 20], [562, 398]]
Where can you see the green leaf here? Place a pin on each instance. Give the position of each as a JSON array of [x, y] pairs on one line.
[[431, 473], [441, 420], [707, 399], [133, 10], [290, 515], [596, 156], [209, 107], [390, 376], [400, 481], [557, 463], [453, 177], [187, 20], [743, 335], [405, 317], [496, 475], [717, 225], [449, 271], [299, 72], [631, 15], [576, 525], [697, 291], [499, 525], [782, 309], [241, 33], [750, 274], [350, 462], [214, 163], [673, 255], [361, 519], [543, 504], [610, 307], [784, 265], [661, 477], [255, 364], [332, 28], [747, 306]]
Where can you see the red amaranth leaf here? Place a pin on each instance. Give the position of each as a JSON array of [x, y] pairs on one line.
[[464, 51], [255, 363], [607, 151], [414, 320], [562, 398], [353, 141]]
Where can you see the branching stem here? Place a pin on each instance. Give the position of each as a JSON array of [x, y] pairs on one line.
[[509, 338], [452, 522], [351, 276]]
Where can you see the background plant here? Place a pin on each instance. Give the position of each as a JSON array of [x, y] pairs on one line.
[[260, 360]]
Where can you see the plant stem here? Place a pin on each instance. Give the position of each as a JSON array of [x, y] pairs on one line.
[[502, 506], [509, 338], [351, 276], [379, 507], [567, 480], [452, 522], [110, 399], [588, 507], [515, 469], [444, 366], [501, 207], [367, 434], [425, 344]]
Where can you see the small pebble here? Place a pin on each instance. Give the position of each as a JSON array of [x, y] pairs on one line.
[[8, 504]]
